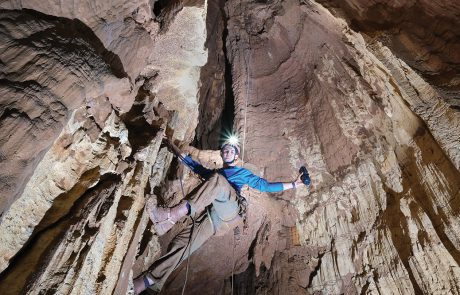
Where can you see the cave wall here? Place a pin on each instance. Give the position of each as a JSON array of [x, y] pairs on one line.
[[88, 91], [422, 33], [361, 92], [381, 143]]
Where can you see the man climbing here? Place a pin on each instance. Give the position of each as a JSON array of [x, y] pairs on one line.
[[216, 208]]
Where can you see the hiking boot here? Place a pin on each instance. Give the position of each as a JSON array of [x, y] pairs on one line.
[[164, 218]]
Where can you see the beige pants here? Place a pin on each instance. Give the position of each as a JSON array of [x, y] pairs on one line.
[[216, 219]]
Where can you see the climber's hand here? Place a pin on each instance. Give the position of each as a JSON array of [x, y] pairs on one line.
[[171, 146], [298, 181], [167, 142]]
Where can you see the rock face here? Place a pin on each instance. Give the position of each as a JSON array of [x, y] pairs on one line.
[[420, 32], [361, 92], [385, 168], [87, 95]]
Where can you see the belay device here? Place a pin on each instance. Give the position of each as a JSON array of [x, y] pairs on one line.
[[305, 177]]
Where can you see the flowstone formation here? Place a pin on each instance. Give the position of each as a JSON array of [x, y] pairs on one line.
[[363, 93]]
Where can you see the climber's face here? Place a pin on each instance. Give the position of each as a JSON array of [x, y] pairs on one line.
[[229, 155]]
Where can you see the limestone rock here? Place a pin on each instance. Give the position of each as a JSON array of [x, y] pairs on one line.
[[363, 93], [82, 129]]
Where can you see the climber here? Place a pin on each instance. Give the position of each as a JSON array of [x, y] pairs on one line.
[[215, 208]]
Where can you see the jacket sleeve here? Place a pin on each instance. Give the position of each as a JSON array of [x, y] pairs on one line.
[[263, 185], [197, 167]]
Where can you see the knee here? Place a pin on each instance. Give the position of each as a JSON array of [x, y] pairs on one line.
[[219, 182], [215, 176], [220, 179]]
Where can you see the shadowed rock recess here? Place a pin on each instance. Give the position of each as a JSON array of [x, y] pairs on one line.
[[366, 94]]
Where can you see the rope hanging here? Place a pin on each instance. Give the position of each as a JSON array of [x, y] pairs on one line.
[[247, 60]]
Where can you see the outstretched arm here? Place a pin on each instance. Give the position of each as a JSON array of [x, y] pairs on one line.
[[263, 185], [294, 184], [187, 160]]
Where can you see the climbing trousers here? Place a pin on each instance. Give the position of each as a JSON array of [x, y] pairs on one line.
[[215, 210]]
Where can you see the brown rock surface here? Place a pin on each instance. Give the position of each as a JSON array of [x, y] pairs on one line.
[[82, 119], [368, 103], [357, 116], [423, 33]]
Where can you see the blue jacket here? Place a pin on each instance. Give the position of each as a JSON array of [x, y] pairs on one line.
[[236, 176]]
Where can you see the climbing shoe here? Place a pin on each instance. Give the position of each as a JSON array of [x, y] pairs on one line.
[[164, 218]]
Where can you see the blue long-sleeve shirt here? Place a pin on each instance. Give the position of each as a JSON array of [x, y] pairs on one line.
[[236, 176]]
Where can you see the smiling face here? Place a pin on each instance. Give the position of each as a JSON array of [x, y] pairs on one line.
[[229, 155]]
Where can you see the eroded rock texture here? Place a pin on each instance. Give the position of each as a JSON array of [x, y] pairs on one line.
[[87, 95], [382, 215], [362, 92], [423, 33]]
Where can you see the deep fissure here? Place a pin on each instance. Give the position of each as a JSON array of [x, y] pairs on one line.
[[228, 114]]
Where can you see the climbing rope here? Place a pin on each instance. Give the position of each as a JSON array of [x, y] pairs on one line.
[[233, 259], [247, 60], [189, 244]]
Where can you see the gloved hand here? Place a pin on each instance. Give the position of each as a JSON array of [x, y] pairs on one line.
[[304, 176], [171, 146]]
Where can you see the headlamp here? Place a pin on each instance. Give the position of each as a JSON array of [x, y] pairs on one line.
[[233, 139]]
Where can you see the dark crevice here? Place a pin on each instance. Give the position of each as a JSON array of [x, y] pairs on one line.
[[251, 250], [315, 271], [213, 76], [245, 282], [228, 113], [159, 6], [140, 131], [165, 10], [14, 113], [365, 288], [375, 276], [63, 203], [395, 222], [146, 238], [124, 205], [260, 235], [248, 283]]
